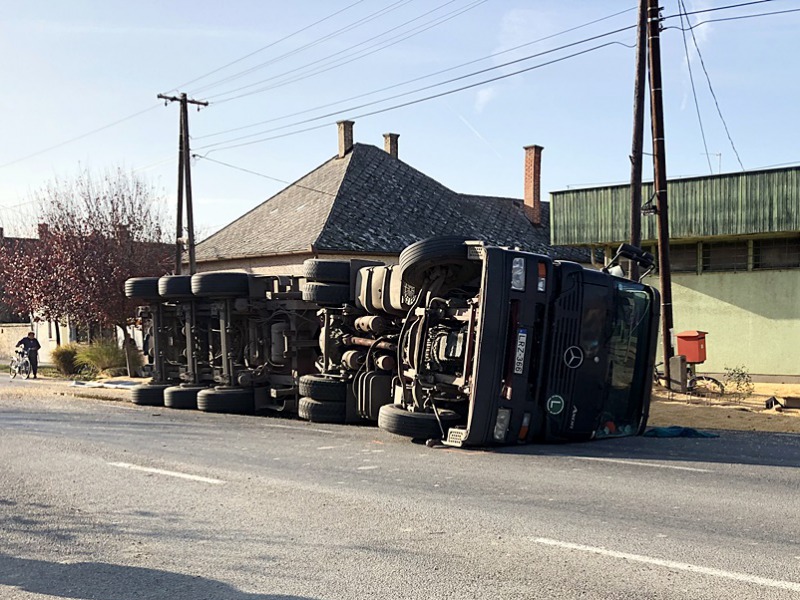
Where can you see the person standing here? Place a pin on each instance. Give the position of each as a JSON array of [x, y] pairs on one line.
[[32, 346]]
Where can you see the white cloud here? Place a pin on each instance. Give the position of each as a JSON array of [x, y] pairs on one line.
[[483, 97]]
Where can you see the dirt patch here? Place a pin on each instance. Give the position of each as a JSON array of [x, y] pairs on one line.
[[728, 411]]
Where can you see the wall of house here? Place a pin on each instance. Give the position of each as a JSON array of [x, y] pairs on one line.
[[753, 318], [283, 265], [11, 333]]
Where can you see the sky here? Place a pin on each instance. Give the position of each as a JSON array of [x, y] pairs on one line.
[[80, 81]]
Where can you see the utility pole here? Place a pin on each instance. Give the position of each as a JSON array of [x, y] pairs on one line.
[[660, 178], [638, 136], [184, 180]]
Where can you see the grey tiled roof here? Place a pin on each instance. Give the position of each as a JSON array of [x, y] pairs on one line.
[[370, 202]]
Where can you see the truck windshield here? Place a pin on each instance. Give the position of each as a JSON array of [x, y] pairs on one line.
[[627, 351]]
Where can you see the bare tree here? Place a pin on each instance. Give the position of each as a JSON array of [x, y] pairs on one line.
[[94, 233]]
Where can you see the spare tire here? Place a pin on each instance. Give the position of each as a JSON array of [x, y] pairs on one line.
[[327, 271], [323, 388], [144, 288], [326, 294], [175, 286], [449, 253], [221, 284], [416, 425]]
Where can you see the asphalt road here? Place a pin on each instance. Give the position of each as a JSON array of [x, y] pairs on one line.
[[106, 500]]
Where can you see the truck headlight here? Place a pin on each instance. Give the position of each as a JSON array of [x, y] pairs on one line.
[[501, 424], [518, 274]]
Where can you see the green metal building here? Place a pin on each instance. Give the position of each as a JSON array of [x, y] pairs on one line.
[[734, 252]]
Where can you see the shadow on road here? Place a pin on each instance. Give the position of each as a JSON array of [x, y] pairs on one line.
[[732, 447], [101, 581]]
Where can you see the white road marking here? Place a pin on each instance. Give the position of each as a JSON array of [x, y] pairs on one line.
[[296, 428], [679, 566], [168, 473], [642, 464], [367, 468]]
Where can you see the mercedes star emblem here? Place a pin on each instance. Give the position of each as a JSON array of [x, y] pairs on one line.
[[573, 357]]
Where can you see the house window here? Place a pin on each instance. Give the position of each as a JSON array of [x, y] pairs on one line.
[[683, 257], [777, 253], [725, 256]]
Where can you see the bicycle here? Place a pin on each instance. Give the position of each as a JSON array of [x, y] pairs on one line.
[[20, 364], [696, 385]]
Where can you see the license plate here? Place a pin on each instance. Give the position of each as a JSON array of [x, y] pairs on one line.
[[519, 357]]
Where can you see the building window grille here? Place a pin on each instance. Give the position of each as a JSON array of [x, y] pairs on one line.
[[776, 253], [683, 258], [725, 256]]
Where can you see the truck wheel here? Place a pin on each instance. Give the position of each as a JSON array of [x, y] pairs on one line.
[[179, 396], [449, 253], [321, 412], [327, 271], [148, 394], [175, 286], [326, 294], [229, 400], [416, 425], [145, 288], [323, 388], [221, 285]]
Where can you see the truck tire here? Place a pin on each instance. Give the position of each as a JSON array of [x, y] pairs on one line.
[[144, 288], [229, 400], [148, 394], [179, 396], [321, 412], [416, 425], [327, 271], [326, 294], [323, 388], [175, 286], [221, 285], [418, 260]]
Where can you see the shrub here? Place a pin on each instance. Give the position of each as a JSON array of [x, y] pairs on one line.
[[105, 356], [738, 380], [64, 358]]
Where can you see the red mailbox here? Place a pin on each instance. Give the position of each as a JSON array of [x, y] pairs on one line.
[[692, 344]]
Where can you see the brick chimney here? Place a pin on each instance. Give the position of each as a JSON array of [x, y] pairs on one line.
[[345, 137], [390, 143], [533, 188]]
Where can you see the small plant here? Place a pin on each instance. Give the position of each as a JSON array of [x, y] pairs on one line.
[[104, 357], [63, 358], [738, 382]]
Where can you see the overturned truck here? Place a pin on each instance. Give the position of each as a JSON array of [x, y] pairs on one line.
[[461, 342]]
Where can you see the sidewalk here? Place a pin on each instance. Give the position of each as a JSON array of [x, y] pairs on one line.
[[64, 387]]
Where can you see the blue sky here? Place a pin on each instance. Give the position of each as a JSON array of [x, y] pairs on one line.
[[69, 68]]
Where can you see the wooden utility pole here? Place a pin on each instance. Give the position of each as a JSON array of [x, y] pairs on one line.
[[184, 181], [638, 136], [660, 178]]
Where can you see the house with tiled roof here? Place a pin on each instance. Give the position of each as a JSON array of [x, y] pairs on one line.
[[367, 203]]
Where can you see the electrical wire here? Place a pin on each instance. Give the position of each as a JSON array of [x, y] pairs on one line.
[[371, 17], [738, 18], [714, 95], [382, 44], [694, 91], [296, 185], [424, 88], [412, 102], [415, 79], [270, 45]]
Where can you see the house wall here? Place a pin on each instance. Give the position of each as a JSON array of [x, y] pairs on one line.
[[11, 333], [752, 318], [284, 265]]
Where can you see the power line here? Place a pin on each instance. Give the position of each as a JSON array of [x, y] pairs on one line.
[[713, 94], [738, 18], [371, 17], [381, 45], [412, 102], [270, 45], [415, 79], [694, 91], [428, 87], [297, 185]]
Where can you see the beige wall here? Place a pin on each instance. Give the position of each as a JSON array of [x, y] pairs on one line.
[[11, 333], [753, 318], [284, 265]]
